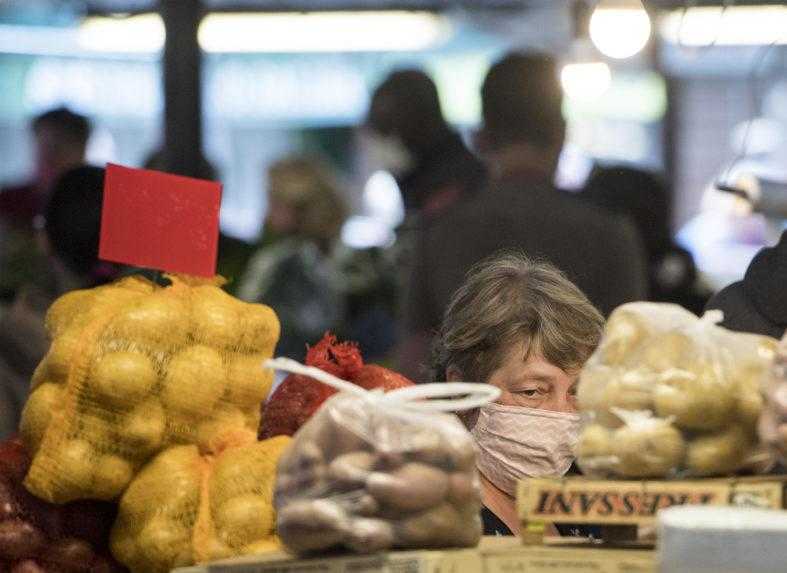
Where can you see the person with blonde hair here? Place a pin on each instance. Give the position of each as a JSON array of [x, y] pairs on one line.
[[295, 270], [522, 326]]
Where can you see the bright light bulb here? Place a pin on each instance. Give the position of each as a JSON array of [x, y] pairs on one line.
[[585, 80], [619, 29]]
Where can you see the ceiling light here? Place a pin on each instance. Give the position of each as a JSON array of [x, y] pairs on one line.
[[323, 32], [732, 26], [620, 28], [136, 34]]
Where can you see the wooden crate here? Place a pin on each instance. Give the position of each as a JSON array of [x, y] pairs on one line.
[[433, 561], [539, 559], [625, 511]]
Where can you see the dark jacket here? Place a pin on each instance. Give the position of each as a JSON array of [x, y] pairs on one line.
[[758, 303], [600, 252]]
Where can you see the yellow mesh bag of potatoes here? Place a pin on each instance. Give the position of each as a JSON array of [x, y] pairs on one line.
[[667, 394], [134, 367], [185, 507], [773, 422]]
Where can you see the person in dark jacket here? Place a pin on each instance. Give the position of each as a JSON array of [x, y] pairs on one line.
[[758, 303], [521, 140], [431, 164], [643, 198]]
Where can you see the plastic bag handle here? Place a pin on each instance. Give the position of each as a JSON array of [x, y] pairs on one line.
[[458, 395]]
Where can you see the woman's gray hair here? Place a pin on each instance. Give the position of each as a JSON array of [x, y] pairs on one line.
[[508, 298]]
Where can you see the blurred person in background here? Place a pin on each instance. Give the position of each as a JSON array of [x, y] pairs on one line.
[[520, 141], [295, 269], [409, 137], [643, 198], [60, 140], [758, 303], [70, 237], [524, 327]]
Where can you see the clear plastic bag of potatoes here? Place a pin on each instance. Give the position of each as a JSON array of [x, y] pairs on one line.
[[185, 507], [373, 471], [133, 368], [773, 422], [667, 394]]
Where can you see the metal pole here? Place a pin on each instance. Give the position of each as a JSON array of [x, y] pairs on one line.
[[182, 86]]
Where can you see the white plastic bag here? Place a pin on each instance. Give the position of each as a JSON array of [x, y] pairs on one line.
[[668, 394], [373, 471]]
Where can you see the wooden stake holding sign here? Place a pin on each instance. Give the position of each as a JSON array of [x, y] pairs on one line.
[[160, 221], [626, 509]]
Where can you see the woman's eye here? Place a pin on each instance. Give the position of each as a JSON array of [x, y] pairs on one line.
[[530, 393]]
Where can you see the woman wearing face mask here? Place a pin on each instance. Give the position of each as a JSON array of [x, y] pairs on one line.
[[525, 328]]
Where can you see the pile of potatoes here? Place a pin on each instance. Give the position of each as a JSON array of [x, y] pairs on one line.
[[667, 394], [133, 368], [185, 507], [773, 423], [361, 476]]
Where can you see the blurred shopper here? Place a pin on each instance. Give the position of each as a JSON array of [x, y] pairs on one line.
[[643, 198], [758, 303], [295, 270], [524, 327], [60, 140], [520, 141], [70, 238], [410, 138]]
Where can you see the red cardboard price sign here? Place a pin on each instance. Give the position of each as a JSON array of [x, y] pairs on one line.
[[160, 221]]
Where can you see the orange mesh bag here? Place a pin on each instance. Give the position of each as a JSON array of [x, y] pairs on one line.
[[133, 368], [186, 508], [671, 395]]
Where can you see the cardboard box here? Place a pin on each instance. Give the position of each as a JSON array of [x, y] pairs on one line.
[[541, 502], [568, 560], [439, 561]]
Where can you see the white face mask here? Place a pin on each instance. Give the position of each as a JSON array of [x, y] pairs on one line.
[[516, 442], [388, 153]]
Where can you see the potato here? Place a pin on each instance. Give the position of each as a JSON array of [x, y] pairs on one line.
[[312, 525], [144, 427], [673, 349], [749, 399], [370, 535], [696, 400], [413, 487], [594, 441], [37, 414], [436, 527], [633, 391], [61, 354], [63, 311], [623, 332], [215, 319], [463, 488], [165, 544], [75, 461], [113, 474], [351, 470], [195, 381], [244, 519], [260, 329], [247, 469], [649, 450], [160, 319], [226, 427], [249, 383], [720, 453], [19, 540], [122, 379]]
